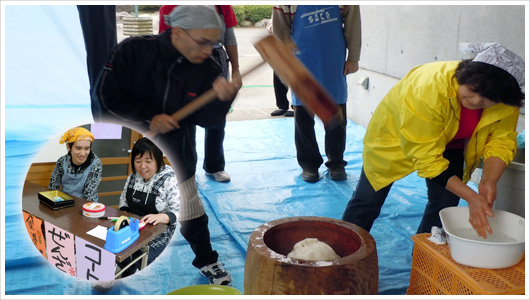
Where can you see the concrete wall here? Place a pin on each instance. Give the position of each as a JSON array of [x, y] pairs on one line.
[[399, 37]]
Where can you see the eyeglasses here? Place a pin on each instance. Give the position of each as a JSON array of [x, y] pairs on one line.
[[205, 44]]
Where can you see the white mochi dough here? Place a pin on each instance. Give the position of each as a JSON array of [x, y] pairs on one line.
[[312, 249]]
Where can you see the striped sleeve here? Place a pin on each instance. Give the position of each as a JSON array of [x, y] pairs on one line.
[[282, 20]]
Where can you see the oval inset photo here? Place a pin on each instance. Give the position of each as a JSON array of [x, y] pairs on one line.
[[96, 197]]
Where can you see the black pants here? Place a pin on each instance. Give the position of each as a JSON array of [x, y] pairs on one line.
[[307, 152], [365, 205], [280, 92], [196, 232], [214, 134], [179, 146], [98, 23], [214, 157]]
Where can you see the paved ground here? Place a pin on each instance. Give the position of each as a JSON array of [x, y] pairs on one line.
[[256, 99]]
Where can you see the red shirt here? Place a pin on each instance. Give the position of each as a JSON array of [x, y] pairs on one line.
[[468, 122], [227, 10]]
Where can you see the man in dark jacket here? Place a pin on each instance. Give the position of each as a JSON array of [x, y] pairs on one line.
[[148, 78]]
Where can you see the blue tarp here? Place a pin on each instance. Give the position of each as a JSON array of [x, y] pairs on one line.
[[46, 89], [265, 186]]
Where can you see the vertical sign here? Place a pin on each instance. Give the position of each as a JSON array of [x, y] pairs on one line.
[[34, 228], [93, 262], [60, 248]]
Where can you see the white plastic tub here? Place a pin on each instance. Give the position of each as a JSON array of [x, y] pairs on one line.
[[504, 248]]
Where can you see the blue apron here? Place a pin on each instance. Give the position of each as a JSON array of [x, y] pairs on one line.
[[317, 31], [74, 184]]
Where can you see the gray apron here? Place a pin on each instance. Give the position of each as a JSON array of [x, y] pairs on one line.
[[74, 184]]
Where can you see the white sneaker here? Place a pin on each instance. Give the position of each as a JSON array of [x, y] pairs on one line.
[[216, 274], [102, 285], [220, 176]]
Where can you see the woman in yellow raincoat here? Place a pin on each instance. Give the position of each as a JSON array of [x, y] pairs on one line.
[[440, 120]]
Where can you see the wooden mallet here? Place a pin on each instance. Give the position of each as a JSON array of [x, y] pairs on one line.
[[293, 73], [199, 102]]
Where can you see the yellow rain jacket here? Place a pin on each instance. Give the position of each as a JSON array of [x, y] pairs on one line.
[[419, 116]]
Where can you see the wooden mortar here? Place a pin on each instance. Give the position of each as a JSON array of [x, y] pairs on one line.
[[268, 270]]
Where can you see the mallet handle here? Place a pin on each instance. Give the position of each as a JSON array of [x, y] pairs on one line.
[[199, 102]]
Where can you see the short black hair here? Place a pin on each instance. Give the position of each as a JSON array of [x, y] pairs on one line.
[[490, 81], [145, 145]]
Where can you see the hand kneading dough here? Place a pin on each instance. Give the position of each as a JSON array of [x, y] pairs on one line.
[[313, 249]]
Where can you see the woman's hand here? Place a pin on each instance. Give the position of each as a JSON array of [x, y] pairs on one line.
[[156, 218], [163, 123], [479, 208], [492, 172], [488, 189], [224, 90]]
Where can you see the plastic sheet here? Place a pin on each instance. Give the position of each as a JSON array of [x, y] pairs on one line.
[[521, 140], [265, 186], [47, 91], [46, 71]]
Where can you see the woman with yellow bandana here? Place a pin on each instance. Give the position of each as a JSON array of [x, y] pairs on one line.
[[77, 173]]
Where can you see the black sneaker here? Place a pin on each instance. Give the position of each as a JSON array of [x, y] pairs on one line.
[[310, 175], [216, 274], [337, 174], [289, 113], [278, 112]]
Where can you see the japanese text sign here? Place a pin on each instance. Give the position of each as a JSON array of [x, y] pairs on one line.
[[60, 248], [93, 262], [34, 228]]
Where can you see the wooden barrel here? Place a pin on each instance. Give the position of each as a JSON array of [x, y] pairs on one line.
[[269, 271]]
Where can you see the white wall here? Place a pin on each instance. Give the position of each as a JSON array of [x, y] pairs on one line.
[[395, 38], [51, 151]]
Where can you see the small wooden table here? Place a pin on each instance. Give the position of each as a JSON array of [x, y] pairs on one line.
[[72, 220]]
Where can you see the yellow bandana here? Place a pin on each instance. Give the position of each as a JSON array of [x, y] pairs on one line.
[[76, 134]]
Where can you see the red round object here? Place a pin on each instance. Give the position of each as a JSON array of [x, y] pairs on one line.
[[94, 207]]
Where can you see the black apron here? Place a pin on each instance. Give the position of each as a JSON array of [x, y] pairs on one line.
[[140, 203]]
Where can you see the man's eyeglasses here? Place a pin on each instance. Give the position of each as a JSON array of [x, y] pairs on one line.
[[205, 44]]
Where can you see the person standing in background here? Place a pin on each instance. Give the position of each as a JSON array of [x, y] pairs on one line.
[[322, 34], [280, 91], [226, 51], [98, 23], [280, 94]]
